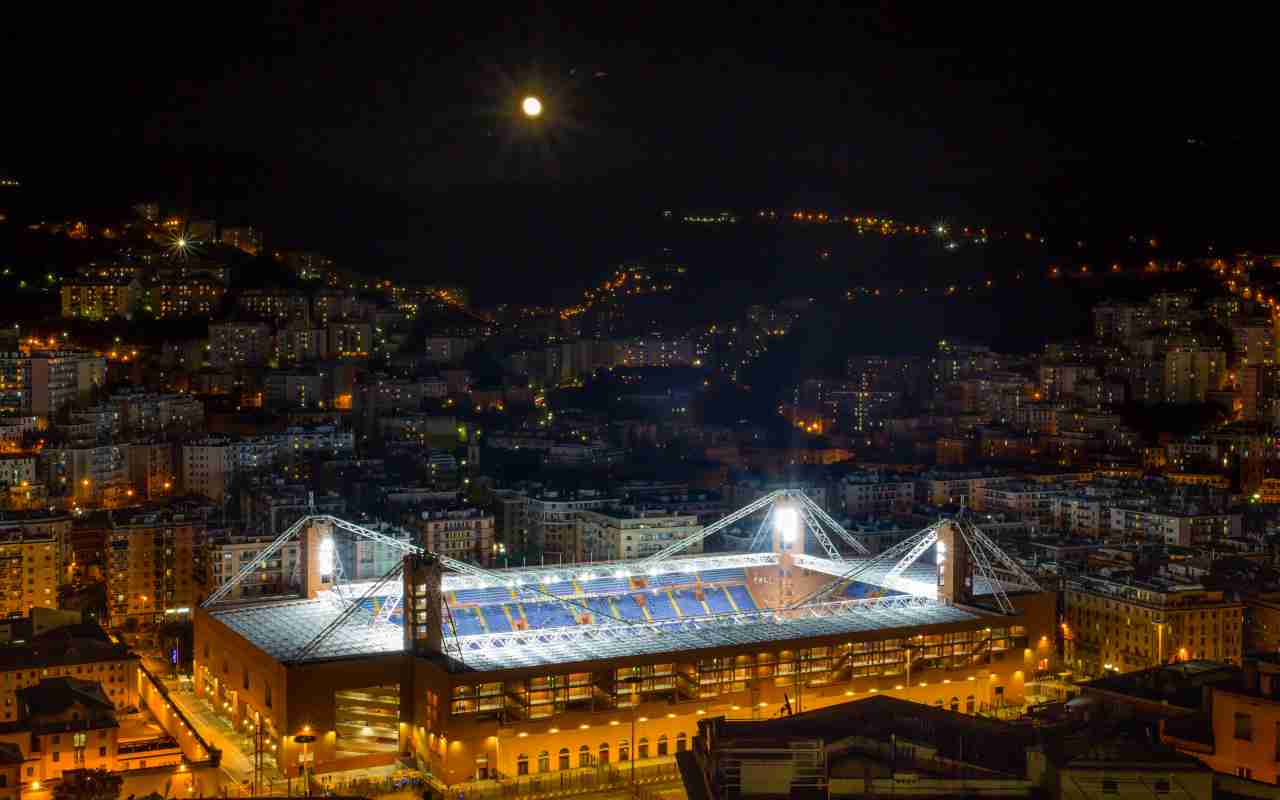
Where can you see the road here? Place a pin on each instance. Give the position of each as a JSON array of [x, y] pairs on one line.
[[237, 766]]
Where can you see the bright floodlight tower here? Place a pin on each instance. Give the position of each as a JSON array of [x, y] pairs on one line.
[[471, 672]]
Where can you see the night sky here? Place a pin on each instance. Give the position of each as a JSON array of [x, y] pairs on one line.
[[388, 134]]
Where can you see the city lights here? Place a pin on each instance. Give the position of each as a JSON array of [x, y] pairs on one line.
[[531, 106]]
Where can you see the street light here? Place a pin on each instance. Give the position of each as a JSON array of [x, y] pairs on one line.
[[304, 740]]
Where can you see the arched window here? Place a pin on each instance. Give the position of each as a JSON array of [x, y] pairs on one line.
[[522, 764], [968, 704], [662, 745], [955, 704], [604, 752], [624, 750], [643, 750], [564, 758], [682, 742], [584, 756], [544, 761]]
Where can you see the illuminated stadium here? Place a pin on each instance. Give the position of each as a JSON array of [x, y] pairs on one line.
[[438, 660]]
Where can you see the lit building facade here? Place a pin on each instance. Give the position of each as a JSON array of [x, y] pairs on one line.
[[1116, 625]]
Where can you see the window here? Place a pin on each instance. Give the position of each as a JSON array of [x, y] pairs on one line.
[[102, 751], [544, 761], [522, 764], [584, 756], [604, 752], [662, 745], [1110, 787], [624, 750], [643, 750], [682, 742], [564, 758], [56, 755], [267, 689], [1244, 727], [246, 679], [1241, 772]]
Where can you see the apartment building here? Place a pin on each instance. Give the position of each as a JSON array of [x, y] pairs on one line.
[[227, 555], [88, 473], [1191, 372], [1026, 499], [210, 464], [99, 298], [1128, 624], [240, 344], [150, 566], [876, 493], [362, 559], [1087, 514], [446, 349], [553, 520], [14, 428], [185, 298], [464, 533], [1058, 381], [350, 339], [511, 519], [154, 468], [42, 383], [150, 412], [31, 561], [955, 488], [80, 650], [280, 306], [271, 506], [1180, 526], [17, 469], [620, 532]]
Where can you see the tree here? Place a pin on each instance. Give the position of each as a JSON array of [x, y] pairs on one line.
[[88, 784]]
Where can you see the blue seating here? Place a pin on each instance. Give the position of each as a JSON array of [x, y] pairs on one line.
[[659, 605], [858, 590], [742, 597], [561, 589], [495, 594], [719, 601], [734, 575], [547, 615], [496, 619], [627, 607], [599, 605], [606, 586], [688, 604], [668, 580], [467, 621]]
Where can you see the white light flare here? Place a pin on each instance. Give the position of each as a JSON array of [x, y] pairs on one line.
[[326, 556], [787, 523]]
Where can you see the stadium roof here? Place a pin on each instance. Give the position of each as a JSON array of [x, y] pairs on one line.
[[281, 629]]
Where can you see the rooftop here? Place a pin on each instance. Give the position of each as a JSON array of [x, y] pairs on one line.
[[281, 629]]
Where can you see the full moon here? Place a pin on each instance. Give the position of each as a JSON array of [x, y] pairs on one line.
[[531, 106]]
